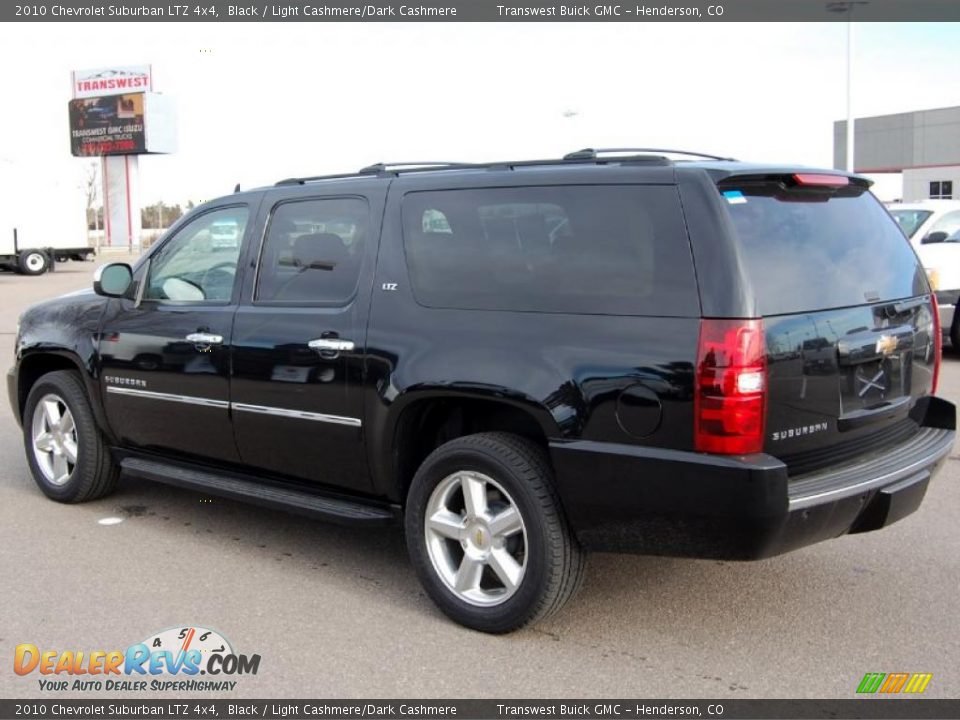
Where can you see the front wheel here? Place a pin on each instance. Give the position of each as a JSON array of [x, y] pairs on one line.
[[66, 452], [487, 536]]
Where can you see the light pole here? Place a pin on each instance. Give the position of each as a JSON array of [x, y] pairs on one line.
[[847, 7]]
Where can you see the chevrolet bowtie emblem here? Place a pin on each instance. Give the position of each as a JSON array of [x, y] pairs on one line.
[[887, 345], [479, 537]]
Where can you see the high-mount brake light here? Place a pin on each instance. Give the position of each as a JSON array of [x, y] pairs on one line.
[[821, 179], [731, 387]]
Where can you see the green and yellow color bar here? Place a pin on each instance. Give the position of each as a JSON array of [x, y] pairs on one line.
[[894, 683]]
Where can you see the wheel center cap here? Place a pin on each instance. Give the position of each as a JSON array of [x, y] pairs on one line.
[[478, 537]]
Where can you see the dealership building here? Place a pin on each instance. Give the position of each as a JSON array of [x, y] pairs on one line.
[[924, 146]]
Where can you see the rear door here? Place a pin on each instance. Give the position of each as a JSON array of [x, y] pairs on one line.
[[299, 337], [846, 307]]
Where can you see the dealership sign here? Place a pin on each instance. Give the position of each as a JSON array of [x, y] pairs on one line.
[[116, 80], [130, 124]]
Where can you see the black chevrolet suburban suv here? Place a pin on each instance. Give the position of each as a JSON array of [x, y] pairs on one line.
[[518, 361]]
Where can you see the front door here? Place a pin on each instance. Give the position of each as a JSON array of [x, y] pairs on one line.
[[165, 357], [298, 344]]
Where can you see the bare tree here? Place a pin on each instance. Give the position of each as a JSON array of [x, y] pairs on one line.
[[91, 185]]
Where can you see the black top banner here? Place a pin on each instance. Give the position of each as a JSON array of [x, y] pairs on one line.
[[486, 11]]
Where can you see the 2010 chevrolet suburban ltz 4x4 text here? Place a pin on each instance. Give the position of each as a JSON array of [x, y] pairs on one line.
[[518, 361]]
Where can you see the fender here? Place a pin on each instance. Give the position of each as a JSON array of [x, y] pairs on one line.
[[62, 333]]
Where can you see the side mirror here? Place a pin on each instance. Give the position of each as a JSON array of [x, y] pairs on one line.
[[113, 280], [934, 237]]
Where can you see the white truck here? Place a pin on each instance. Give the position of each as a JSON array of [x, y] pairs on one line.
[[39, 229]]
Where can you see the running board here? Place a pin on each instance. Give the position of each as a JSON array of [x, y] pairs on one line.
[[334, 508]]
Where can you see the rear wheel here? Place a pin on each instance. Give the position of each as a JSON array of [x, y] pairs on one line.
[[33, 262], [955, 334], [66, 452], [487, 535]]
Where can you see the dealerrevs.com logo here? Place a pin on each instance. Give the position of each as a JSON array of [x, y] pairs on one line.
[[170, 660]]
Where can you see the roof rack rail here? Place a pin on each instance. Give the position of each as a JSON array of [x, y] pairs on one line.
[[309, 178], [380, 168], [585, 156], [593, 153]]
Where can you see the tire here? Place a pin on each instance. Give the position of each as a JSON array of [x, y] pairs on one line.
[[33, 262], [515, 474], [93, 473], [955, 335]]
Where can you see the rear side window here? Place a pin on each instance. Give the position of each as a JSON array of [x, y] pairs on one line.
[[313, 251], [815, 250], [620, 250]]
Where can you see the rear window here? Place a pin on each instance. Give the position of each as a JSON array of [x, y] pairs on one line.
[[812, 250], [619, 250]]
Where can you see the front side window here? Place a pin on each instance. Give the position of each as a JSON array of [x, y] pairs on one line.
[[607, 249], [199, 263], [313, 251]]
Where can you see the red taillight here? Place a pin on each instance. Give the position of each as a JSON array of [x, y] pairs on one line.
[[730, 402], [821, 179], [937, 342]]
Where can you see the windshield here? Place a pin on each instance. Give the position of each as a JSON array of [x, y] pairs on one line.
[[910, 220]]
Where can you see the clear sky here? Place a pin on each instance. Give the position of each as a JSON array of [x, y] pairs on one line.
[[259, 102]]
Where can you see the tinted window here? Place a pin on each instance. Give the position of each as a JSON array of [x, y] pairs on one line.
[[813, 250], [578, 249], [313, 251], [193, 266]]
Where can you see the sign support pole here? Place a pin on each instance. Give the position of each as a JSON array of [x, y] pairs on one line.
[[121, 201]]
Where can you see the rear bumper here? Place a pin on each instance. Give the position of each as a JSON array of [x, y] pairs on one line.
[[626, 498]]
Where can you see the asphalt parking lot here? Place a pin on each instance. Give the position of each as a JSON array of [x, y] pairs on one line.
[[338, 613]]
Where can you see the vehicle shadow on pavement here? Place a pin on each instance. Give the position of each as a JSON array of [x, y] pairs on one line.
[[371, 555]]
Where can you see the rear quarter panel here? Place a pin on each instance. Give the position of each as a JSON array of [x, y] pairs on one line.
[[566, 370]]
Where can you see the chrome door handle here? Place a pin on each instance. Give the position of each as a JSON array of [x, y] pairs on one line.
[[202, 338], [331, 345]]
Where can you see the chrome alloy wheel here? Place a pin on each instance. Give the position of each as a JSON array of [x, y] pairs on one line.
[[54, 439], [476, 538]]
